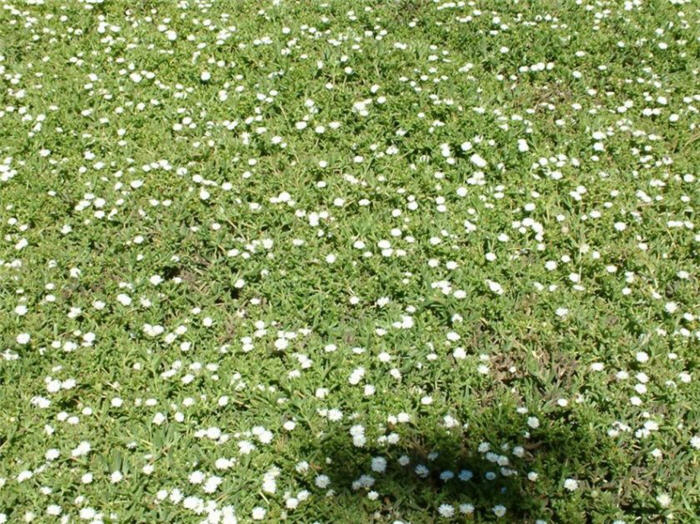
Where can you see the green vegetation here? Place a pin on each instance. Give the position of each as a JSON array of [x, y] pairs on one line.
[[382, 261]]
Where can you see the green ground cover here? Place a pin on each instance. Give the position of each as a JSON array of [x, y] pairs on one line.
[[383, 261]]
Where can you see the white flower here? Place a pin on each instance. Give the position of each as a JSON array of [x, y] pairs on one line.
[[379, 464], [533, 422], [322, 481], [478, 160], [87, 513], [499, 510], [258, 513], [23, 338], [663, 499], [695, 441], [245, 447], [466, 509], [571, 484], [82, 449], [446, 510], [334, 415], [212, 484], [115, 477], [196, 477], [495, 287], [356, 376]]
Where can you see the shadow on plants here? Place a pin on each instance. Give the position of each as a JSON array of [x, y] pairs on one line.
[[478, 471]]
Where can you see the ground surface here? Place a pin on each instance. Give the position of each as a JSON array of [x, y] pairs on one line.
[[349, 261]]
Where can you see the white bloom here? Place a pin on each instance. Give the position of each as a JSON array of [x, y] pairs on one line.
[[495, 287], [196, 477], [466, 509], [571, 484], [322, 481], [115, 477], [478, 160], [379, 464], [356, 376], [446, 510], [664, 500], [695, 441]]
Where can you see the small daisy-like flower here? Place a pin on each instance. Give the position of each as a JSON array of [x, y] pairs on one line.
[[116, 477], [495, 287], [379, 464], [446, 510], [322, 481], [663, 499], [478, 160], [466, 509], [642, 357], [571, 484], [196, 477]]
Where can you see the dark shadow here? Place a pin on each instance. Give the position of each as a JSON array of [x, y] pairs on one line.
[[480, 468]]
